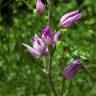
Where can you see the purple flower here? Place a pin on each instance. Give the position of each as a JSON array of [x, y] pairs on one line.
[[68, 19], [40, 8], [48, 36], [39, 47], [71, 70]]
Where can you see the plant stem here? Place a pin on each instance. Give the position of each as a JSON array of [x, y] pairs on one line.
[[89, 74], [49, 15], [28, 5], [51, 54], [62, 87], [50, 73], [45, 64], [68, 89]]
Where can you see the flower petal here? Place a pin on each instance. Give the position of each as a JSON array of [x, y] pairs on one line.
[[57, 36], [47, 35], [37, 42], [32, 51], [47, 31]]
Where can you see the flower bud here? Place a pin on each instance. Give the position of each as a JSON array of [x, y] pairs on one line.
[[68, 19], [71, 70], [40, 8]]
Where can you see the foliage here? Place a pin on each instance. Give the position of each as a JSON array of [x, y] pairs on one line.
[[20, 74]]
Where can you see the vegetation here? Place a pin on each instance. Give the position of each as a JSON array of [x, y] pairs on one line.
[[20, 73]]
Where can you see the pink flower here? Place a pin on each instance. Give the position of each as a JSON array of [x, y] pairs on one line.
[[39, 47], [48, 36], [68, 19], [40, 8], [71, 70]]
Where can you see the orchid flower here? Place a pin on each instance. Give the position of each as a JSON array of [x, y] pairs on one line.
[[49, 37], [39, 47]]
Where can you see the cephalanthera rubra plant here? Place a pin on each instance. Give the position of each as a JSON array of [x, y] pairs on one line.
[[44, 46]]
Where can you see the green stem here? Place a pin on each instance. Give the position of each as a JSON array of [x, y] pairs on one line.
[[68, 89], [50, 73], [51, 54], [28, 5], [89, 74], [49, 15], [45, 64], [62, 87]]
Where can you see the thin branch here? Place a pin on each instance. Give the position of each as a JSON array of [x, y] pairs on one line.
[[62, 87]]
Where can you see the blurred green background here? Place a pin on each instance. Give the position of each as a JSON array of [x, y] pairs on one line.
[[20, 74]]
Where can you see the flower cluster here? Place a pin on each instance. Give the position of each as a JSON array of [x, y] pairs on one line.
[[40, 47], [41, 44]]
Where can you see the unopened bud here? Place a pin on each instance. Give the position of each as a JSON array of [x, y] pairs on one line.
[[40, 8]]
